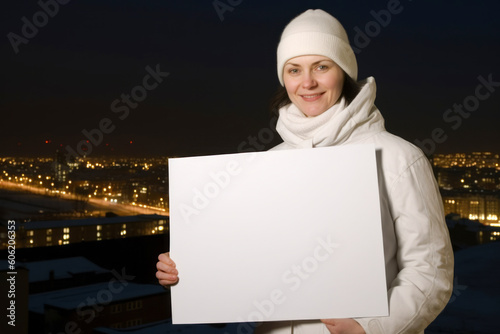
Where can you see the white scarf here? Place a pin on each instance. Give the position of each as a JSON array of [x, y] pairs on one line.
[[335, 125]]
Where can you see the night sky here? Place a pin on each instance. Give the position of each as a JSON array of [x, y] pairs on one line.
[[66, 78]]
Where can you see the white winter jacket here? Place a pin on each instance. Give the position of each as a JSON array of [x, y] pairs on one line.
[[417, 248]]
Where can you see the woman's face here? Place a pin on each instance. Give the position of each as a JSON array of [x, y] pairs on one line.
[[313, 83]]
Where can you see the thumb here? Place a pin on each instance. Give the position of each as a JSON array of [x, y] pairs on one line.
[[330, 322]]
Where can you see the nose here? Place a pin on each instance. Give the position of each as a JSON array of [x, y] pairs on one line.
[[308, 81]]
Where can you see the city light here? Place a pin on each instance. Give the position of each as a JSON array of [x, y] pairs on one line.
[[101, 186], [54, 176]]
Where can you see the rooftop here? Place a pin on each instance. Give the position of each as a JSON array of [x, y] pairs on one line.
[[166, 327], [71, 299], [61, 268]]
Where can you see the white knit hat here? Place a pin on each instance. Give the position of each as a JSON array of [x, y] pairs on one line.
[[315, 32]]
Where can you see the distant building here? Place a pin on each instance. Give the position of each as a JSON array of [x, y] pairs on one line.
[[465, 232], [63, 232], [470, 185], [481, 207], [62, 167], [49, 275], [117, 303], [474, 159], [468, 178], [42, 276]]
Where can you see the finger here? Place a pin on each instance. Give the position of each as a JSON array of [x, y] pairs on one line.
[[166, 268], [160, 266], [166, 283], [166, 279], [165, 258]]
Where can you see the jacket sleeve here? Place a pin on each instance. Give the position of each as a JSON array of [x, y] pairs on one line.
[[423, 285]]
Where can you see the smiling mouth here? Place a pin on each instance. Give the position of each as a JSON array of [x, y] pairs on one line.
[[312, 97]]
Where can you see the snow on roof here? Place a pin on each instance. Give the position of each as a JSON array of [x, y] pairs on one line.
[[70, 299], [62, 268]]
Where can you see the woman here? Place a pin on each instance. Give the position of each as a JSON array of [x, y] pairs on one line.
[[325, 106]]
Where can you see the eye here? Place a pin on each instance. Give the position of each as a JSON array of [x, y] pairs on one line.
[[293, 71], [322, 67]]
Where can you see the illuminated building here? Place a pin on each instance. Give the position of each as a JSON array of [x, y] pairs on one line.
[[470, 185], [484, 208], [63, 232], [474, 159]]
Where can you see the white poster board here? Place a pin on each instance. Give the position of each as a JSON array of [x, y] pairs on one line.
[[277, 235]]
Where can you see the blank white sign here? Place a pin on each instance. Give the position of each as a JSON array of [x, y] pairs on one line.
[[277, 235]]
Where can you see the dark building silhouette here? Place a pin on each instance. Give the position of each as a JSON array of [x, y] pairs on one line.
[[63, 232]]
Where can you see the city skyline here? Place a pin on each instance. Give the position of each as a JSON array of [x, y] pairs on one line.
[[99, 186], [179, 79]]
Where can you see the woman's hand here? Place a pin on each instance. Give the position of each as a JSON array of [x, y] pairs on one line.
[[343, 326], [166, 274]]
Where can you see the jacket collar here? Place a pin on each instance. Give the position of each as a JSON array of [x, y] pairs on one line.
[[338, 125]]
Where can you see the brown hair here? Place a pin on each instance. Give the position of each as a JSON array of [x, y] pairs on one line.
[[350, 89]]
